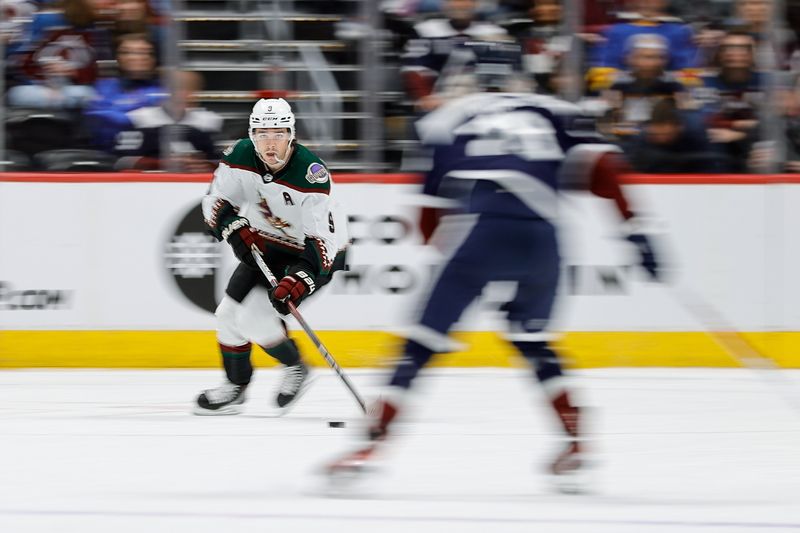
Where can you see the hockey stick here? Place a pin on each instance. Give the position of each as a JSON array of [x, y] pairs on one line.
[[735, 345], [273, 281]]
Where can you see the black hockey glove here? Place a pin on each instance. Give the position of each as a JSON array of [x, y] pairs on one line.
[[241, 236], [295, 287]]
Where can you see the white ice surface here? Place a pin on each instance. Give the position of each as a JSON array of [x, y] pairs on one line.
[[118, 451]]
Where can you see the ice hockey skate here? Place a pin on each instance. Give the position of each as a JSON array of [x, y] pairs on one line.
[[569, 470], [296, 380], [345, 472], [352, 465], [223, 400], [351, 474]]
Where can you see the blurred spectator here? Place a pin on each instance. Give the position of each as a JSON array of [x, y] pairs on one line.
[[187, 131], [701, 12], [56, 64], [159, 7], [598, 14], [793, 136], [764, 156], [89, 18], [650, 17], [14, 15], [137, 16], [542, 37], [636, 91], [132, 16], [511, 8], [670, 143], [707, 19], [774, 45], [426, 56], [731, 98], [137, 86], [793, 17]]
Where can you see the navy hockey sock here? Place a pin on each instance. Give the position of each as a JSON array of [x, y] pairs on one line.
[[543, 359], [416, 356], [285, 352], [236, 360]]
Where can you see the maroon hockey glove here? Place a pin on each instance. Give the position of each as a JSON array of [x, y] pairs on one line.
[[241, 236], [294, 287], [428, 222]]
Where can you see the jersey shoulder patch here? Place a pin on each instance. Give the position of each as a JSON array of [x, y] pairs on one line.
[[242, 155], [317, 173], [307, 172]]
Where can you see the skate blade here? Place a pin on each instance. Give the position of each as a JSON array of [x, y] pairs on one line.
[[281, 411], [350, 482], [569, 484], [228, 410], [574, 482]]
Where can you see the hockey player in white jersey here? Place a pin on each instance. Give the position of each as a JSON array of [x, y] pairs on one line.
[[504, 157], [274, 193]]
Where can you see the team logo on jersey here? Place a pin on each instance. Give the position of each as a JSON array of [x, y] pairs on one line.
[[317, 173], [267, 178], [276, 222]]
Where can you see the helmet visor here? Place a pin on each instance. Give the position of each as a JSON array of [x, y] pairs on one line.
[[272, 145]]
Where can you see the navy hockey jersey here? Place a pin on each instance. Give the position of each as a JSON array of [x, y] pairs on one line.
[[514, 150]]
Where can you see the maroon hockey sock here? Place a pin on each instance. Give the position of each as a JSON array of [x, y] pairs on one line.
[[382, 413], [568, 414]]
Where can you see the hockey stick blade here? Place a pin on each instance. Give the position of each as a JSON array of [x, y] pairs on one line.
[[735, 345]]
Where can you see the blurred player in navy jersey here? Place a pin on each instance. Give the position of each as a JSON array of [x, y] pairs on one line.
[[503, 156]]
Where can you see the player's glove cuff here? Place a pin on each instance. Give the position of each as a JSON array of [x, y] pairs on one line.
[[223, 215], [235, 224], [242, 237]]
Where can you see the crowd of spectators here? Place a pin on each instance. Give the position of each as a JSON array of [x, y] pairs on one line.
[[680, 85], [85, 90]]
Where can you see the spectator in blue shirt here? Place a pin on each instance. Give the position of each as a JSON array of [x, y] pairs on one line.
[[137, 86], [608, 57]]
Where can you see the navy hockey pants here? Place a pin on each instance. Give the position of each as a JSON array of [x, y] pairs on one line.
[[497, 249]]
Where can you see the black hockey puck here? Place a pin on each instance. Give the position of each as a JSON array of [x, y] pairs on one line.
[[336, 424]]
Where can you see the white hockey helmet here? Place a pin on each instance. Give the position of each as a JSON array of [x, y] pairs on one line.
[[272, 113]]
